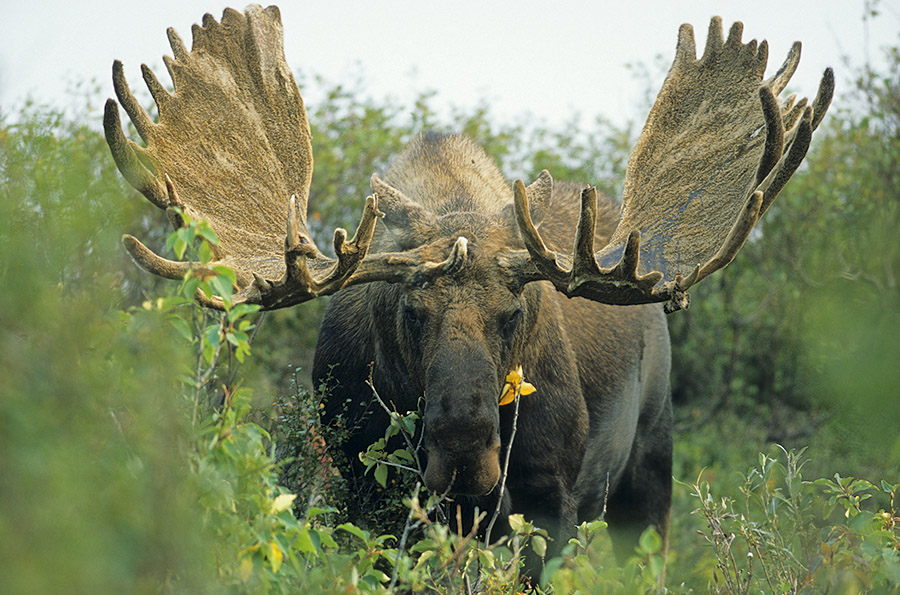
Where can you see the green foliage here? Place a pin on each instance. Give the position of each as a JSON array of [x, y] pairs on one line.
[[90, 497], [786, 537]]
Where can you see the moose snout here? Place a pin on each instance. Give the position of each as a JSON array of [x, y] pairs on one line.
[[462, 418], [463, 446], [473, 472]]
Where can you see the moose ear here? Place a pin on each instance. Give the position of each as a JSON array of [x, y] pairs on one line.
[[538, 193], [406, 221]]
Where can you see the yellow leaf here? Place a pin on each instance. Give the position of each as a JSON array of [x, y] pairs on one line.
[[246, 568], [515, 385], [249, 550], [515, 376], [275, 555], [508, 395], [282, 502]]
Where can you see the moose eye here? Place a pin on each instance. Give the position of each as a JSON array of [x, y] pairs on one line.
[[411, 317], [511, 323]]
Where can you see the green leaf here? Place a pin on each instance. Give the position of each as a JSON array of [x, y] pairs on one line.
[[325, 538], [423, 545], [378, 575], [403, 454], [596, 526], [213, 336], [539, 545], [550, 569], [207, 233], [205, 253], [179, 246], [391, 431], [381, 472], [650, 542], [241, 352], [241, 310], [408, 424], [304, 543], [354, 530], [223, 271], [183, 328], [170, 241], [426, 555], [222, 286], [190, 286], [517, 522]]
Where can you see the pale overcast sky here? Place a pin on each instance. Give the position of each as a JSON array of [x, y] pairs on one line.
[[548, 58]]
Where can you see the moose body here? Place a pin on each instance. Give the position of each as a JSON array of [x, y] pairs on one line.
[[601, 411], [466, 278]]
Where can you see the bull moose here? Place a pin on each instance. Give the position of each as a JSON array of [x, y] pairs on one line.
[[466, 277]]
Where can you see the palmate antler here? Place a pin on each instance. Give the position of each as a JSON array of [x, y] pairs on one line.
[[717, 148], [232, 146]]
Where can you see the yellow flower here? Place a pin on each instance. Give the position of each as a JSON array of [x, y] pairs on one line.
[[515, 384]]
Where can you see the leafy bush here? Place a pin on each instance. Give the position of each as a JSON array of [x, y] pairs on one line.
[[784, 536]]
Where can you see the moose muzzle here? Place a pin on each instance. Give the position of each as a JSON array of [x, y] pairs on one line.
[[474, 472]]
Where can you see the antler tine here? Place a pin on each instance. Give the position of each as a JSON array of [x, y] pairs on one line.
[[780, 79], [297, 249], [160, 94], [139, 117], [426, 272], [823, 97], [714, 40], [685, 50], [178, 49], [734, 34], [152, 262], [789, 163], [774, 134], [792, 115], [175, 217], [626, 270], [308, 274], [126, 155], [351, 254], [621, 283], [631, 256], [584, 264], [543, 258]]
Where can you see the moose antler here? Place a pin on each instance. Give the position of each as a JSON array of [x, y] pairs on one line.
[[234, 140], [716, 149]]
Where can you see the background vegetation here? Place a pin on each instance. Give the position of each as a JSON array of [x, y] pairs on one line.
[[134, 456]]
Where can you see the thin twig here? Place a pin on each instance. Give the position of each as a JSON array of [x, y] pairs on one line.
[[414, 450], [407, 528], [463, 540], [415, 510], [392, 464], [512, 436]]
